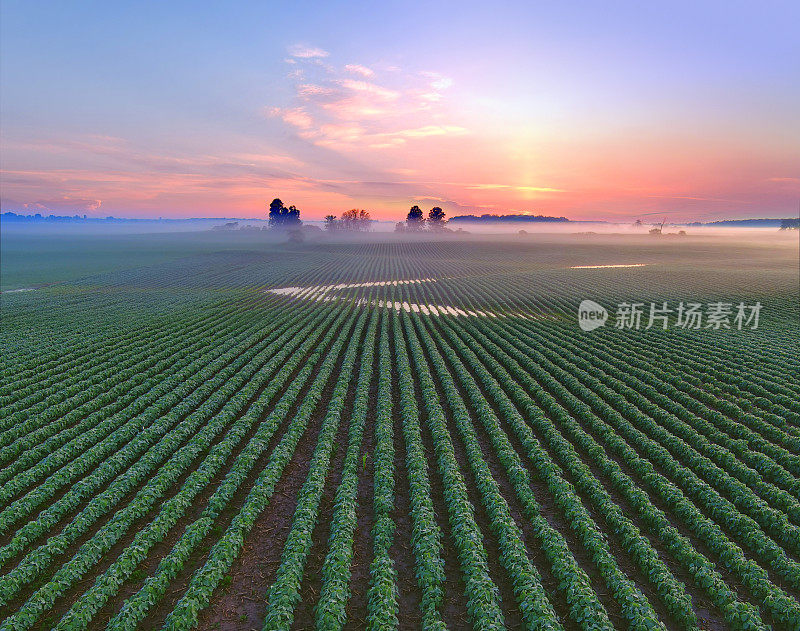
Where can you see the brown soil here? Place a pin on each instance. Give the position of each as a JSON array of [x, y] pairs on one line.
[[402, 550], [311, 584], [199, 504], [241, 605], [356, 610], [454, 600]]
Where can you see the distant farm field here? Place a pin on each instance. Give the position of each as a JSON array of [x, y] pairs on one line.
[[233, 434]]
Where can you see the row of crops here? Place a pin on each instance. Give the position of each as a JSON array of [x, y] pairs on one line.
[[183, 448]]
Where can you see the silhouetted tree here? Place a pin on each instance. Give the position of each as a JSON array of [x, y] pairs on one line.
[[415, 220], [276, 208], [292, 217], [282, 217], [365, 220], [400, 226], [356, 219], [331, 223], [436, 218]]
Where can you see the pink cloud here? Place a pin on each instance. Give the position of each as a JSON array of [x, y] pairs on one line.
[[260, 158], [368, 113], [360, 70], [297, 117], [429, 130], [515, 187], [341, 132], [373, 90]]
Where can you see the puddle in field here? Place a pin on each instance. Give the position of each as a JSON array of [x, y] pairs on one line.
[[606, 266], [322, 293], [16, 291]]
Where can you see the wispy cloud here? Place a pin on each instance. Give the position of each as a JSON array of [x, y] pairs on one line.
[[309, 91], [515, 187], [437, 84], [300, 51], [360, 70], [266, 158], [369, 113], [371, 89], [698, 199], [297, 117]]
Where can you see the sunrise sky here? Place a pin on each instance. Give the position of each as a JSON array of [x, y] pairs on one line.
[[592, 110]]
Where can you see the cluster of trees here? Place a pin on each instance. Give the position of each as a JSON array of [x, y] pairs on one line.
[[354, 220], [416, 221], [287, 218], [283, 218]]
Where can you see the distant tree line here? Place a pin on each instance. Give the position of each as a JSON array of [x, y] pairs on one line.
[[498, 218], [746, 223]]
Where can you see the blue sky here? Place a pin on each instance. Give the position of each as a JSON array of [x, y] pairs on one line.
[[606, 110]]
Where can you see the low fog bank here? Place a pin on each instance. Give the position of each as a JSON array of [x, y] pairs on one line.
[[153, 226], [255, 230], [35, 255], [606, 239], [583, 231], [590, 228], [117, 227]]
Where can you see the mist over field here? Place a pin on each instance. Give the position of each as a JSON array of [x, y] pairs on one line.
[[37, 253]]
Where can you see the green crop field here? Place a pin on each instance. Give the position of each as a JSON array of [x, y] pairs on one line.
[[214, 431]]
